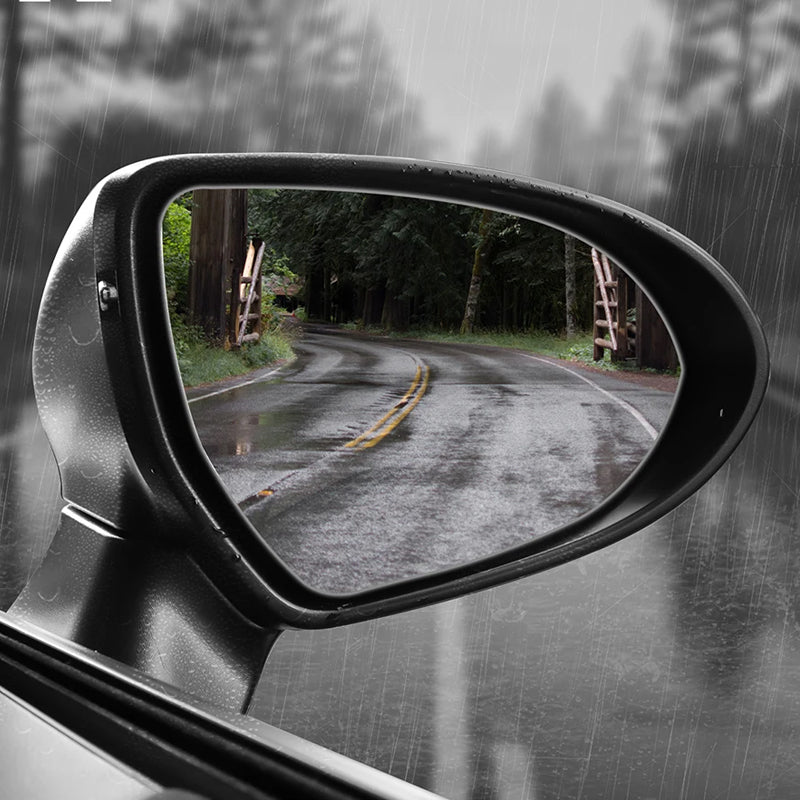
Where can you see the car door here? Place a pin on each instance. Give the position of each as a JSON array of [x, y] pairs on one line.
[[664, 665]]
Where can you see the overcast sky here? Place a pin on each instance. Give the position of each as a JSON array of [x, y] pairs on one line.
[[480, 64]]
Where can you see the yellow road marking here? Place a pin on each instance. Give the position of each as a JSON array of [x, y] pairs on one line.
[[394, 409], [401, 409], [392, 424]]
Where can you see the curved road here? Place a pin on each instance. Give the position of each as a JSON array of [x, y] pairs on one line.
[[370, 460]]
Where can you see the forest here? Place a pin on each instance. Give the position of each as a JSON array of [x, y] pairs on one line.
[[72, 116], [370, 261], [399, 263]]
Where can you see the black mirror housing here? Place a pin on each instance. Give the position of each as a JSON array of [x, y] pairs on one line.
[[112, 403]]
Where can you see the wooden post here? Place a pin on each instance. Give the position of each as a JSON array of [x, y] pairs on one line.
[[216, 254], [630, 304], [250, 313], [598, 352], [654, 346], [603, 285], [623, 349], [256, 306], [240, 294]]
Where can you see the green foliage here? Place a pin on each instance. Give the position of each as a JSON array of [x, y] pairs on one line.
[[536, 341], [186, 339], [270, 313], [205, 364], [401, 262], [271, 347], [184, 201], [201, 363], [580, 351], [279, 265], [176, 232], [198, 361]]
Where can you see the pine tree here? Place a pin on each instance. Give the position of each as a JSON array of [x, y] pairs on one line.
[[11, 65], [733, 133], [626, 153], [106, 85]]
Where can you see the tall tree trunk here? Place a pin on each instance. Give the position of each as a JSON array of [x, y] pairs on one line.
[[326, 291], [569, 283], [216, 255], [474, 293], [654, 347], [395, 312], [373, 305]]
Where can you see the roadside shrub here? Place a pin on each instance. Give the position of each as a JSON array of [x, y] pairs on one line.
[[204, 364], [199, 361], [187, 339], [176, 233], [269, 348], [582, 351], [270, 313]]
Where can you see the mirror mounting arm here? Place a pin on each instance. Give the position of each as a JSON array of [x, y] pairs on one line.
[[147, 606]]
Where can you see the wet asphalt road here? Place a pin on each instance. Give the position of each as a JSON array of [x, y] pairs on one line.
[[370, 460]]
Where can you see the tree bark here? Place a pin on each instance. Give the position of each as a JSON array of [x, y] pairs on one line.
[[217, 250], [654, 347], [395, 315], [474, 293]]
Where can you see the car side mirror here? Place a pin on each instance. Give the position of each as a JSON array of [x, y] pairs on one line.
[[139, 484]]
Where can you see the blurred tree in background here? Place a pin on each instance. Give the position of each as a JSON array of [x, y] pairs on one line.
[[99, 87], [383, 260], [616, 154], [159, 78], [400, 262], [732, 136], [90, 87]]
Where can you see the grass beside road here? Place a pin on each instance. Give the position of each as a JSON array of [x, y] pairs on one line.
[[201, 363], [539, 342], [578, 348]]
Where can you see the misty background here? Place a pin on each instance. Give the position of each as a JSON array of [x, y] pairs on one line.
[[687, 109]]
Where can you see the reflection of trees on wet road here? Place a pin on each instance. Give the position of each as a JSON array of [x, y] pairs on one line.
[[491, 448]]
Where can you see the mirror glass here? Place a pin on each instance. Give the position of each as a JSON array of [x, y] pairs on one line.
[[391, 386]]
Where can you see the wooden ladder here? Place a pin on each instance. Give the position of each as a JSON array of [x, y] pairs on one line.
[[611, 310], [249, 297]]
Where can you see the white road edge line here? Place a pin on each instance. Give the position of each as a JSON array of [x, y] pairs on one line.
[[637, 415], [235, 386]]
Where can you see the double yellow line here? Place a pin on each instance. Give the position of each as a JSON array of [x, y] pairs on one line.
[[399, 411]]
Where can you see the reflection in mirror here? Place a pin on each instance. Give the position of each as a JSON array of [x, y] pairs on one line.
[[391, 386]]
